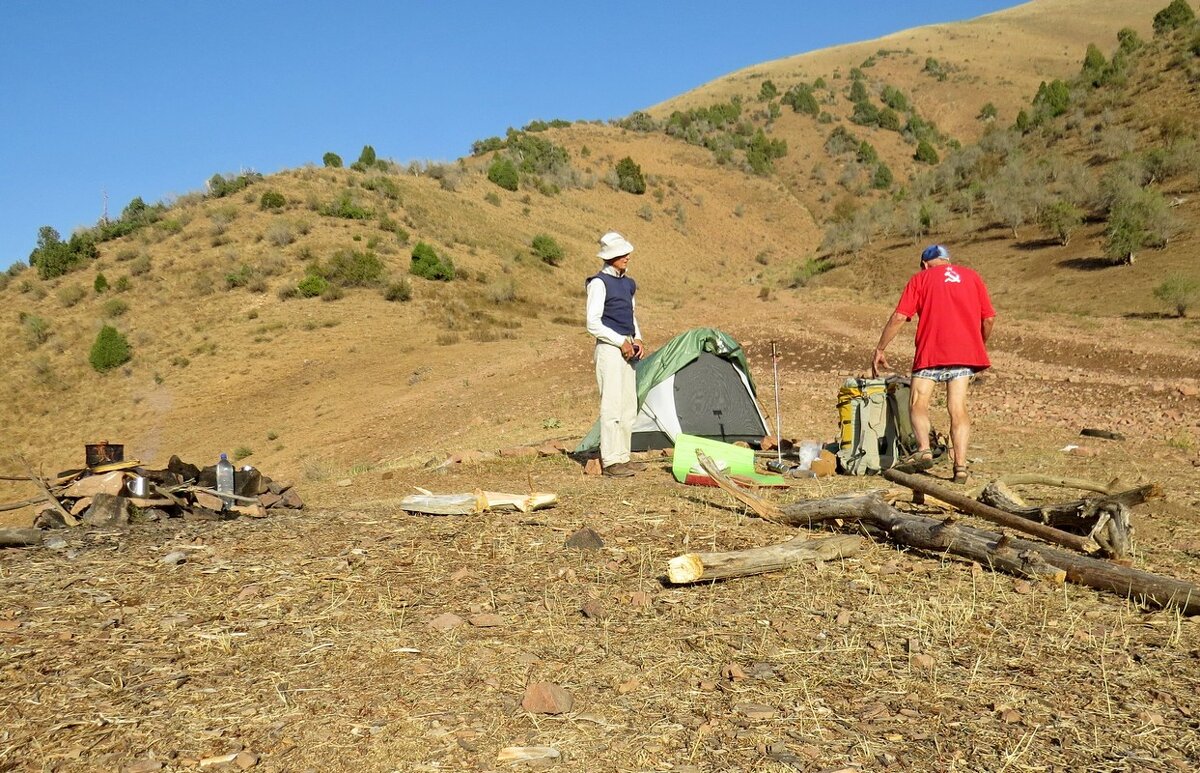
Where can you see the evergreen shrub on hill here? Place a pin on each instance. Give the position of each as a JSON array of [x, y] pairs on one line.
[[367, 157], [332, 160], [762, 152], [479, 147], [629, 176], [219, 186], [110, 349], [427, 264], [925, 153], [385, 185], [345, 206], [503, 172], [882, 178], [1174, 16], [639, 122], [802, 100], [53, 257], [272, 200], [311, 285], [547, 249]]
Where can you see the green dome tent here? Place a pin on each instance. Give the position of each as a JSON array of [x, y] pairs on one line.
[[698, 383]]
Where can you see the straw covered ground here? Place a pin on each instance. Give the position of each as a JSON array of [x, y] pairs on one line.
[[304, 641]]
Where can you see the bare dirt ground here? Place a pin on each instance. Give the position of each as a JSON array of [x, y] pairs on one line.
[[304, 641]]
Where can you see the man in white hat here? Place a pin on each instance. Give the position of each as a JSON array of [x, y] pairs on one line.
[[612, 322]]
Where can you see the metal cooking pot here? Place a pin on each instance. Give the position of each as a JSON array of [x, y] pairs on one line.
[[96, 454]]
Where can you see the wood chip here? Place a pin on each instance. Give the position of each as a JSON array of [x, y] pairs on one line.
[[527, 753]]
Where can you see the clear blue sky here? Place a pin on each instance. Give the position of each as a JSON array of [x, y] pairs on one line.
[[151, 99]]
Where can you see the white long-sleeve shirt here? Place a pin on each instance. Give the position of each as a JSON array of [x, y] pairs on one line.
[[596, 295]]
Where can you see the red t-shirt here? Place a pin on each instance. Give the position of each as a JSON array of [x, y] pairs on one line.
[[950, 303]]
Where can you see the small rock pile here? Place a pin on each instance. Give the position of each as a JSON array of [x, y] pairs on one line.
[[103, 497]]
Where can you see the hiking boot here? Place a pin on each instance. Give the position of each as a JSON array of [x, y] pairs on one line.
[[636, 466], [619, 470]]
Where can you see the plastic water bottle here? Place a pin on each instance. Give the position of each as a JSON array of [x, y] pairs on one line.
[[225, 480], [809, 451]]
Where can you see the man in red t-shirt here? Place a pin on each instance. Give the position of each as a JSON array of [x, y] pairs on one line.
[[954, 320]]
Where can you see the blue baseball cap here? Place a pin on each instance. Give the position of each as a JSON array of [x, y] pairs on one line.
[[935, 252]]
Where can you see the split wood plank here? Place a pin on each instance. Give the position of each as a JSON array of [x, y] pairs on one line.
[[477, 502], [701, 567]]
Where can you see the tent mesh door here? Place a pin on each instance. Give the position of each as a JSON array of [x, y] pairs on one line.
[[712, 402]]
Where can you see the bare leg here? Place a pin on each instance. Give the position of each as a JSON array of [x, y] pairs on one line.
[[918, 409], [960, 422]]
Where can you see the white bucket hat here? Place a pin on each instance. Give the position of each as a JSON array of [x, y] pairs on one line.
[[613, 246]]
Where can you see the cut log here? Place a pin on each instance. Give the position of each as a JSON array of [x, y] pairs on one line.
[[1000, 551], [968, 505], [700, 567], [19, 538]]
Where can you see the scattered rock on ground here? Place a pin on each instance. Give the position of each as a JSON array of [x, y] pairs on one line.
[[445, 621], [585, 539], [546, 698]]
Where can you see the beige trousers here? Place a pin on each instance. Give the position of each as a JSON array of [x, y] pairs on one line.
[[618, 403]]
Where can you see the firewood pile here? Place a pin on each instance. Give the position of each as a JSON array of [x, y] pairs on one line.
[[123, 492]]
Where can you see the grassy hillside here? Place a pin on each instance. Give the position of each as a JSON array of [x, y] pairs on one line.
[[388, 368]]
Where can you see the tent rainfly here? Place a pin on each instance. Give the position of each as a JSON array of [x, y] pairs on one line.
[[698, 383]]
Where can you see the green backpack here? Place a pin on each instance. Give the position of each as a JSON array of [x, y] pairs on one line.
[[876, 426]]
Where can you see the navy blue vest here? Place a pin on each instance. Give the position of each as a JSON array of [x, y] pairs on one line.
[[618, 302]]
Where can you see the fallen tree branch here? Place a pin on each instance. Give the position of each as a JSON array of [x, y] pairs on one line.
[[214, 492], [36, 479], [1034, 479], [697, 567], [19, 538], [999, 551], [974, 507], [19, 505], [1104, 518]]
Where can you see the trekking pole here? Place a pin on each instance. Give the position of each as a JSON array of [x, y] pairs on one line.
[[778, 418]]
